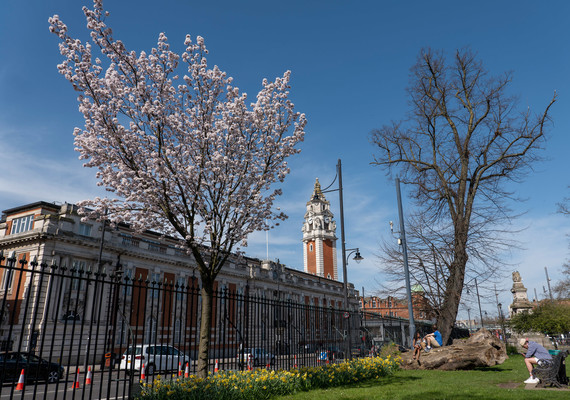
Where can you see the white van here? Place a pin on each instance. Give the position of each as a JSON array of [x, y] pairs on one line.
[[155, 357]]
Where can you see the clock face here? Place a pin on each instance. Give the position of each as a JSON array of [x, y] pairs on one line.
[[310, 220], [327, 219]]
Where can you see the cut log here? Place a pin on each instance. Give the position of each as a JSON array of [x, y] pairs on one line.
[[482, 349]]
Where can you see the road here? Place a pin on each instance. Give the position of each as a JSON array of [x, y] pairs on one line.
[[99, 388]]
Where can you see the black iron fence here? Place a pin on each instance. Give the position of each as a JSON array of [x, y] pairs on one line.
[[73, 332]]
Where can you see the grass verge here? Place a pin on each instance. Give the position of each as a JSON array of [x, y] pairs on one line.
[[503, 381]]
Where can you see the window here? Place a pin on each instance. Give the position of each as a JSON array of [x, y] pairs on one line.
[[84, 229], [181, 282], [127, 281], [7, 278], [150, 335], [177, 331], [22, 224], [76, 282], [373, 303], [311, 247], [154, 281]]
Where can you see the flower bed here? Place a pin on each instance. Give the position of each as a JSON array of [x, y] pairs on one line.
[[263, 384]]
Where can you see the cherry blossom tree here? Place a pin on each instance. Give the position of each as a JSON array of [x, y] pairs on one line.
[[184, 156]]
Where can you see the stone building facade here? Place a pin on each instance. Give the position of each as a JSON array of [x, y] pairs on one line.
[[47, 233]]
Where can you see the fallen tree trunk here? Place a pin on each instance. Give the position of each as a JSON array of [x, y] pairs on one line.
[[482, 349]]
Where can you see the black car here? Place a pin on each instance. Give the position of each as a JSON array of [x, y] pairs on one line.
[[35, 368]]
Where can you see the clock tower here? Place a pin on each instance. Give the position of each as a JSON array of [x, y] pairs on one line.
[[319, 239]]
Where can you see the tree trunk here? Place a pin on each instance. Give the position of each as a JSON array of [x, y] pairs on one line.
[[454, 285], [205, 329]]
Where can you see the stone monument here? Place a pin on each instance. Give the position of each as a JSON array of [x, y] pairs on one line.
[[521, 304]]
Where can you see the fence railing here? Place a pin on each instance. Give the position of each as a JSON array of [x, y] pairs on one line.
[[81, 333], [96, 334]]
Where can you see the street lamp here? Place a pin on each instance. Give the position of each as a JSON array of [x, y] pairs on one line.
[[357, 257]]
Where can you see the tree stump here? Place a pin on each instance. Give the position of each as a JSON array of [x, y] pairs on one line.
[[482, 349]]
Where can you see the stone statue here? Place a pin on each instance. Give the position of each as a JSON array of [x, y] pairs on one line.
[[520, 300], [516, 276]]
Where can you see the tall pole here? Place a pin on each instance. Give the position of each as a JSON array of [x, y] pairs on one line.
[[548, 281], [343, 244], [469, 320], [406, 268], [498, 305], [479, 301], [497, 298]]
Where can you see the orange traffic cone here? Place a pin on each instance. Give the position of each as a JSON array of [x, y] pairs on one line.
[[186, 371], [88, 377], [179, 369], [268, 365], [216, 367], [76, 383], [295, 365], [143, 376], [249, 362], [20, 385]]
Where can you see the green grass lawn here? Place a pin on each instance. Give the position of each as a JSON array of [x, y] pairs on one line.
[[503, 381]]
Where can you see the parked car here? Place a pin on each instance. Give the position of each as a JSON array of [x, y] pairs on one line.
[[329, 352], [35, 368], [155, 357], [258, 357]]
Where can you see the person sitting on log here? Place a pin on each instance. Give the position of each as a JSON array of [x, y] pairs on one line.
[[432, 339], [536, 354], [417, 346]]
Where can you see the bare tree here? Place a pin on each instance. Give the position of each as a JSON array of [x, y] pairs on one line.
[[562, 288], [462, 142], [564, 206], [430, 256]]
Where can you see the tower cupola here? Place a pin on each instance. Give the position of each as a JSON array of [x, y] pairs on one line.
[[319, 239]]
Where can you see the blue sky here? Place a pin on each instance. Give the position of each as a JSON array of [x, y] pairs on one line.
[[350, 63]]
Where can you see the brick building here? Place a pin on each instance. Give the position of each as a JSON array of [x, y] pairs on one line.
[[398, 308]]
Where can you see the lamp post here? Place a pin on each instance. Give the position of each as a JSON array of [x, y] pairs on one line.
[[406, 268], [357, 258], [343, 244], [479, 301]]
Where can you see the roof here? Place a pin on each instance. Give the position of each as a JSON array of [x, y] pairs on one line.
[[44, 204]]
